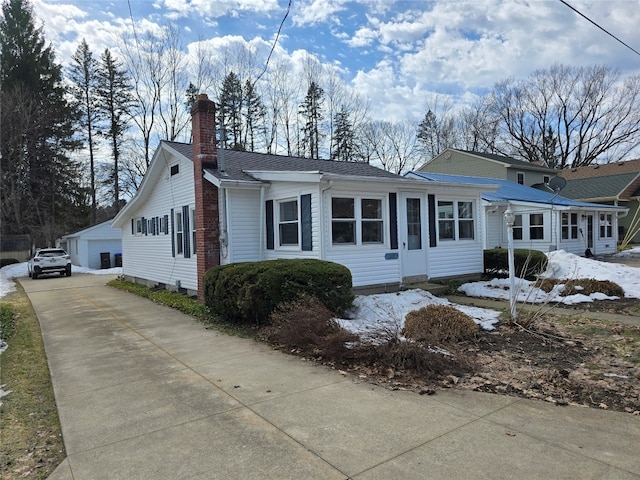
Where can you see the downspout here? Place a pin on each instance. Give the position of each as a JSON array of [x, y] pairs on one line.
[[323, 243], [224, 233], [262, 222]]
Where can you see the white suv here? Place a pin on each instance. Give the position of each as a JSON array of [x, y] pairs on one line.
[[49, 260]]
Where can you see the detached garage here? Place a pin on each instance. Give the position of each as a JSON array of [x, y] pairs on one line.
[[94, 247]]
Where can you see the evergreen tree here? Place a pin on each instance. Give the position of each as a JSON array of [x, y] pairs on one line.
[[254, 113], [343, 138], [231, 100], [311, 110], [114, 94], [83, 74], [428, 135], [41, 186]]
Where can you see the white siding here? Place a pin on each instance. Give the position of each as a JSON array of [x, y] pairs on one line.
[[293, 191], [243, 226], [149, 256], [455, 258]]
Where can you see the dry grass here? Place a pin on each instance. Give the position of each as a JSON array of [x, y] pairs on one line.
[[585, 286], [31, 444]]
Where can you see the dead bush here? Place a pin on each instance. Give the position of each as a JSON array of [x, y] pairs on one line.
[[307, 326], [413, 358], [585, 286], [435, 324]]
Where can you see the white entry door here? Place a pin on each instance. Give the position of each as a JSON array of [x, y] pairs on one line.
[[413, 238]]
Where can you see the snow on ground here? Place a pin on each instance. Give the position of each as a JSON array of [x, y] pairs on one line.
[[565, 266], [375, 313]]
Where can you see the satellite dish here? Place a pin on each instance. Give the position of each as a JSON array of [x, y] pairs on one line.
[[557, 183]]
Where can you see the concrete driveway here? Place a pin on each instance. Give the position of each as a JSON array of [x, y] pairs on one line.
[[145, 392]]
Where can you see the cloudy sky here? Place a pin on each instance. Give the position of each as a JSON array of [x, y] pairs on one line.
[[396, 53]]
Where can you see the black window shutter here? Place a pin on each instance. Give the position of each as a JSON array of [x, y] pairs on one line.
[[305, 215], [186, 232], [173, 237], [393, 220], [166, 224], [269, 221], [432, 220], [133, 227], [144, 226]]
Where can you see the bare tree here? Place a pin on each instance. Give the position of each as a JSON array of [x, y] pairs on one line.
[[392, 146], [567, 116]]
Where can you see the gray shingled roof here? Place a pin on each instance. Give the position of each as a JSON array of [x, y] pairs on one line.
[[606, 187], [236, 164]]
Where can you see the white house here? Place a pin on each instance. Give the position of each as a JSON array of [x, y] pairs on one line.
[[200, 206], [87, 246], [544, 220]]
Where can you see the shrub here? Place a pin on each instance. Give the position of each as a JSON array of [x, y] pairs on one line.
[[308, 326], [417, 358], [528, 263], [434, 324], [7, 261], [250, 292], [585, 286]]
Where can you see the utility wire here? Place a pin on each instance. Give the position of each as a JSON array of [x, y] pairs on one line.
[[275, 42], [601, 28]]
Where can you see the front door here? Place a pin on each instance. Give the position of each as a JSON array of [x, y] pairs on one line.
[[413, 240]]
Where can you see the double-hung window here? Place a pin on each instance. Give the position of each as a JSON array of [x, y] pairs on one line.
[[193, 230], [536, 226], [179, 233], [606, 225], [455, 220], [356, 220], [517, 227], [288, 223], [569, 226]]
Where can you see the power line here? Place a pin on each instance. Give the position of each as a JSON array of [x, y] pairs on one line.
[[601, 28]]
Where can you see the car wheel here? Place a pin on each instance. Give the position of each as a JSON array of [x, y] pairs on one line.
[[34, 275], [29, 274], [68, 271], [62, 274]]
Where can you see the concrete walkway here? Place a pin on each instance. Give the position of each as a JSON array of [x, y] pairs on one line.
[[144, 392]]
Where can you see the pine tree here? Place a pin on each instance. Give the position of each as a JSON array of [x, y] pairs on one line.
[[231, 100], [254, 113], [115, 100], [83, 74], [41, 186], [311, 110], [343, 138]]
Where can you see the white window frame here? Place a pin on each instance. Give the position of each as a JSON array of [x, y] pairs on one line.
[[138, 232], [192, 225], [569, 228], [606, 225], [179, 232], [284, 222], [536, 226], [456, 220], [359, 221], [518, 175]]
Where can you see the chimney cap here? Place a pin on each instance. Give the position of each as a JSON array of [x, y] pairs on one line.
[[202, 96]]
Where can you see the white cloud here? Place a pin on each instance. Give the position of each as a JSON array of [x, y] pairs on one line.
[[312, 12], [218, 8]]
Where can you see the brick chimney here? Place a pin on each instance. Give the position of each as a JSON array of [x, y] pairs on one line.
[[205, 155]]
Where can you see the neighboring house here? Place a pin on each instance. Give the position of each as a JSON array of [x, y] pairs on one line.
[[544, 221], [462, 162], [253, 207], [611, 184], [87, 247]]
